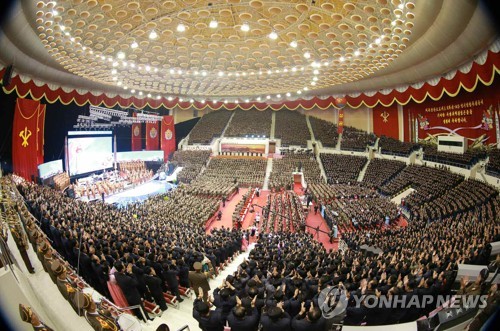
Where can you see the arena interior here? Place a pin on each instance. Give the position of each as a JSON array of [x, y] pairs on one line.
[[249, 165]]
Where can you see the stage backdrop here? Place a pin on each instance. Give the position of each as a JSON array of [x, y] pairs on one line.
[[27, 137], [136, 144], [167, 136], [152, 142], [385, 121], [471, 115]]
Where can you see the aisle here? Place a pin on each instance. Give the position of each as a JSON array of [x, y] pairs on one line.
[[315, 221], [227, 212]]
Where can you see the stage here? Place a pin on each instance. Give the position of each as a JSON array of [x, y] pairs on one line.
[[140, 193]]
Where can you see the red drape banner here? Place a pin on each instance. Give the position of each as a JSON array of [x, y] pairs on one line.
[[152, 142], [136, 144], [27, 137], [340, 122], [167, 136], [385, 121]]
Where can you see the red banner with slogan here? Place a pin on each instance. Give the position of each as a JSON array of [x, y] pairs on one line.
[[27, 137], [152, 142], [167, 136], [136, 144], [340, 123]]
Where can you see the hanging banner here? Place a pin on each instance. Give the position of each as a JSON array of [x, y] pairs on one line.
[[340, 125], [27, 138], [136, 143], [167, 136], [152, 142], [386, 121]]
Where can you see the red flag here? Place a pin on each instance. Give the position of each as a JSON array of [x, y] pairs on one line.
[[152, 143], [136, 144], [167, 136], [27, 137], [340, 125]]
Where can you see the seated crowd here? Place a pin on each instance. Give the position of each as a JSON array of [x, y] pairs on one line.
[[61, 181], [192, 163], [127, 246], [324, 131], [281, 176], [341, 168], [393, 146], [465, 160], [250, 122], [493, 166], [327, 192], [356, 140], [380, 171], [291, 127], [283, 213], [242, 171], [209, 126]]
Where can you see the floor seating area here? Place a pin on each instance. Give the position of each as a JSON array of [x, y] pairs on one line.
[[246, 172], [192, 163], [281, 176]]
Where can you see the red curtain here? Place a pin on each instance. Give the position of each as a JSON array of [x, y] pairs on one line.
[[340, 125], [152, 142], [167, 136], [385, 121], [136, 144], [27, 137]]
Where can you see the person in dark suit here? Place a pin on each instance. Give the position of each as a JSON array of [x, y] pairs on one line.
[[276, 319], [170, 276], [128, 284], [96, 320], [208, 320], [198, 279], [243, 318], [183, 274], [308, 320], [154, 285]]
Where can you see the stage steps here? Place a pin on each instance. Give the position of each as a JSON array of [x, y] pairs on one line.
[[269, 169], [310, 128], [227, 125], [363, 171], [273, 125]]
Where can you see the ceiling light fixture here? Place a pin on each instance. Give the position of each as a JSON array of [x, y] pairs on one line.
[[134, 45], [273, 35], [342, 59], [213, 24], [356, 53], [288, 94], [307, 55], [293, 44], [181, 27], [316, 71], [120, 55], [153, 34], [245, 27]]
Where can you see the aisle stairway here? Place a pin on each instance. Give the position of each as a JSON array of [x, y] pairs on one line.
[[227, 125], [376, 144], [363, 172], [273, 125], [269, 169], [323, 173], [310, 128], [339, 141]]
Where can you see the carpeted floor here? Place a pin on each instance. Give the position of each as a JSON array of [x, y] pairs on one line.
[[227, 212]]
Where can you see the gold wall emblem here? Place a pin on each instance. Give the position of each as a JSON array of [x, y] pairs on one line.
[[25, 134]]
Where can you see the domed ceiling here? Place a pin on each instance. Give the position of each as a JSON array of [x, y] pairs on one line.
[[242, 49]]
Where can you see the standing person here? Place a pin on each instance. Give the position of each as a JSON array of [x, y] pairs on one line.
[[223, 201], [257, 192], [154, 285], [198, 279], [128, 284], [316, 207], [22, 245]]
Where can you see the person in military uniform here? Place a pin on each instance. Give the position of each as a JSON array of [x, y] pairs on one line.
[[96, 320], [67, 290], [199, 279], [22, 244], [47, 259], [28, 316]]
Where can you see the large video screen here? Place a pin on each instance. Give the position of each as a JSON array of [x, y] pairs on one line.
[[48, 169], [89, 151]]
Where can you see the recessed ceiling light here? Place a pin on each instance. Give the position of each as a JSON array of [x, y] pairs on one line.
[[172, 71], [140, 92], [269, 72], [120, 55], [220, 74], [313, 83], [258, 98], [125, 87], [132, 90], [299, 92], [273, 35], [307, 55], [225, 101], [169, 98], [158, 97], [62, 27], [54, 12], [114, 78], [316, 71], [191, 100], [268, 97], [356, 53], [181, 27], [288, 94], [179, 72], [245, 27], [132, 65], [153, 34], [204, 73], [202, 101], [115, 64], [149, 95], [148, 68], [306, 88], [134, 45], [342, 59], [213, 24], [196, 73], [247, 101], [378, 40], [293, 44], [294, 69], [113, 71], [401, 6], [315, 78], [278, 95]]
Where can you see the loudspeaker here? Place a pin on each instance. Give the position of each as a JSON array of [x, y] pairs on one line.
[[7, 76]]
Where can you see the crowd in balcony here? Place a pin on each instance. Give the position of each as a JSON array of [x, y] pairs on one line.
[[356, 140], [380, 171], [393, 146], [291, 127], [465, 160], [324, 131], [209, 126], [341, 168], [192, 163], [493, 166], [248, 123]]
